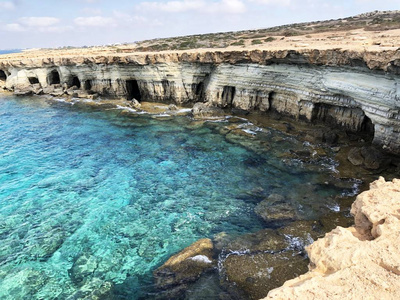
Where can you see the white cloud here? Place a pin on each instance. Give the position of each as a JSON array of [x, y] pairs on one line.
[[91, 11], [38, 21], [96, 21], [56, 29], [173, 6], [273, 2], [222, 6], [7, 5], [14, 27]]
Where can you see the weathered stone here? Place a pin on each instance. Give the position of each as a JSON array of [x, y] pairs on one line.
[[360, 262], [257, 274], [275, 208], [187, 265], [263, 240], [202, 110], [135, 104], [172, 107], [305, 231], [355, 157]]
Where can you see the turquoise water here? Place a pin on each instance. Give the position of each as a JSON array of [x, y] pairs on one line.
[[93, 200]]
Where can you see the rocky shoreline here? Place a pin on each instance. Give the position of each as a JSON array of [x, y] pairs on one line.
[[359, 262], [356, 91]]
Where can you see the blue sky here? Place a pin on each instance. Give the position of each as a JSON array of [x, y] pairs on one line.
[[31, 24]]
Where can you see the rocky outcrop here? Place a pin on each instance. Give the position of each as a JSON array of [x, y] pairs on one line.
[[360, 262], [357, 91], [186, 266]]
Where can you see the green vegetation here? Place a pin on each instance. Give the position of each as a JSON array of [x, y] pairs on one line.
[[238, 43], [256, 42], [369, 21]]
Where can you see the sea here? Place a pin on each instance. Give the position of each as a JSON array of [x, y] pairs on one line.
[[94, 197]]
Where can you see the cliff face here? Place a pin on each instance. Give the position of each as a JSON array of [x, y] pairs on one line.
[[360, 262], [355, 90]]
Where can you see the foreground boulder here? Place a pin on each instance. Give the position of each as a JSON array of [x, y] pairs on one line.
[[359, 262], [187, 265]]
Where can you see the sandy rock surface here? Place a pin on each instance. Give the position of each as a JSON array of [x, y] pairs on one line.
[[360, 262]]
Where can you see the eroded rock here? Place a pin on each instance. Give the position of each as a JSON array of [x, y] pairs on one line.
[[359, 262], [275, 208], [187, 265]]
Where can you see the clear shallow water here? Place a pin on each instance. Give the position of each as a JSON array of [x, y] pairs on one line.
[[91, 199]]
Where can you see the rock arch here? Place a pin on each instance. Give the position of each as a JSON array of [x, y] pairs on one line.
[[53, 77]]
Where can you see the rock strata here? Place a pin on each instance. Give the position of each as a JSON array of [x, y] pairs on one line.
[[354, 90], [359, 262]]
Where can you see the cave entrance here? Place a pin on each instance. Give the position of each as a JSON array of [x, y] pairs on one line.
[[3, 75], [33, 80], [228, 94], [133, 91], [54, 77], [76, 82], [88, 85], [368, 129]]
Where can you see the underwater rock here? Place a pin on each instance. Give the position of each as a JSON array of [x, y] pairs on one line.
[[302, 233], [263, 240], [275, 208], [82, 269], [258, 262], [256, 274], [187, 265], [93, 290]]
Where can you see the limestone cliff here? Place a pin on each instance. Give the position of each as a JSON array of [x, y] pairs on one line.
[[360, 262], [357, 90]]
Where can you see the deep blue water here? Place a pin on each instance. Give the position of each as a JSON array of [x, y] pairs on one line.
[[121, 194], [10, 51]]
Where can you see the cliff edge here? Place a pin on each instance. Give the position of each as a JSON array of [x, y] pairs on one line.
[[359, 262]]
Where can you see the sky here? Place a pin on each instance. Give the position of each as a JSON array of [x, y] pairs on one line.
[[45, 23]]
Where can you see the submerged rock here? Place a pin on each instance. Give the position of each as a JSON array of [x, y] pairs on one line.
[[187, 265], [275, 208], [256, 274], [263, 240]]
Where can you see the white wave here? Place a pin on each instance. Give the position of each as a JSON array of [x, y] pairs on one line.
[[126, 108], [201, 258]]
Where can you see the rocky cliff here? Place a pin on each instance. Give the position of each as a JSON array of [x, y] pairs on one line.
[[360, 262], [356, 90]]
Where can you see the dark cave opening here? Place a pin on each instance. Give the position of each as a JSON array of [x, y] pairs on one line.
[[132, 90], [33, 80], [88, 85], [228, 94], [271, 97], [76, 82], [3, 75], [54, 77]]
